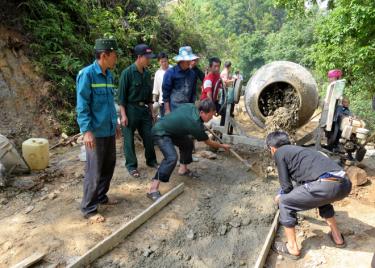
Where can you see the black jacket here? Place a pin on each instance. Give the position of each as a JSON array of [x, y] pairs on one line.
[[301, 165]]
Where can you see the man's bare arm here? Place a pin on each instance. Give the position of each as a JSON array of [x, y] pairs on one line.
[[217, 145], [167, 107], [124, 118]]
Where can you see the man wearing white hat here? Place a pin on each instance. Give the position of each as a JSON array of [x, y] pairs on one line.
[[179, 83]]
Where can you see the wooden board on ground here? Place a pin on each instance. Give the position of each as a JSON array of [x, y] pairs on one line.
[[118, 236], [267, 244], [29, 260]]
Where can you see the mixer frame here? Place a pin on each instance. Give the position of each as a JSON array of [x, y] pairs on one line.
[[241, 137]]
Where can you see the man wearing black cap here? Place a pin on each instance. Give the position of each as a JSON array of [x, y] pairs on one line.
[[135, 99], [97, 119]]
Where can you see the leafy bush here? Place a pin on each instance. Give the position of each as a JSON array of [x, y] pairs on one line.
[[247, 32], [344, 38], [62, 35]]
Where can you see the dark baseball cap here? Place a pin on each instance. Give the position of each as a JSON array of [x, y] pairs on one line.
[[144, 50]]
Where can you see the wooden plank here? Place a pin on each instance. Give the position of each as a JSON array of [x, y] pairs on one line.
[[118, 236], [30, 260], [267, 244], [248, 140], [66, 141]]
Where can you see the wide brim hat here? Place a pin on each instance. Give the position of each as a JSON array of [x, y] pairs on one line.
[[185, 54]]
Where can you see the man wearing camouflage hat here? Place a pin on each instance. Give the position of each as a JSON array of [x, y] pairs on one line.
[[97, 119]]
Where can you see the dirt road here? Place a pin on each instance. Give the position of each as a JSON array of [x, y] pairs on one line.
[[356, 218], [219, 221]]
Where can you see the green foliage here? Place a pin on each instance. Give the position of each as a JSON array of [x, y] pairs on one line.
[[250, 33], [63, 34], [297, 8], [361, 106], [346, 40], [250, 51], [293, 42], [231, 30]]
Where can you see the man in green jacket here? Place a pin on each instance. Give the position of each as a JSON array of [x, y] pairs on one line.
[[135, 99], [173, 130]]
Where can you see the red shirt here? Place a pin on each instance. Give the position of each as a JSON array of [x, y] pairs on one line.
[[209, 83]]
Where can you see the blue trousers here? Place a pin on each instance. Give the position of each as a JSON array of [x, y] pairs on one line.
[[167, 147]]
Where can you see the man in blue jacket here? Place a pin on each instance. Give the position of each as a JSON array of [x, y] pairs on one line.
[[180, 82], [97, 119]]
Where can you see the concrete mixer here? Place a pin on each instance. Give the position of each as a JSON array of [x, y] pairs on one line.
[[273, 86], [265, 92]]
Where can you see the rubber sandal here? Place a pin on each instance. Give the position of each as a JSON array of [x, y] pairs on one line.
[[111, 202], [94, 218], [154, 196], [134, 173], [343, 245], [189, 173], [282, 249]]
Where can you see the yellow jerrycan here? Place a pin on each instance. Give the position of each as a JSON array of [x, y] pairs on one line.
[[35, 151]]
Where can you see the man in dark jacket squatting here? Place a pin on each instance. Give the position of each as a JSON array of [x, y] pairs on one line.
[[319, 182]]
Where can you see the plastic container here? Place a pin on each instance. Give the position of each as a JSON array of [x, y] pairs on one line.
[[35, 151], [82, 154], [362, 133]]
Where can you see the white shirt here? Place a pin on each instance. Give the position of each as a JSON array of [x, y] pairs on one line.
[[239, 76], [158, 81]]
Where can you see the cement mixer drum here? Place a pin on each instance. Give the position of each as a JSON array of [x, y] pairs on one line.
[[266, 91]]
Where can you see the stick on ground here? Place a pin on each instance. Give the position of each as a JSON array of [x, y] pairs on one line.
[[29, 260], [267, 244], [118, 236]]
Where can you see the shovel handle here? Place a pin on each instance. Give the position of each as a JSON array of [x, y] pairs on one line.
[[231, 150]]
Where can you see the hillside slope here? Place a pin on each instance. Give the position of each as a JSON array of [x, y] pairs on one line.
[[21, 92]]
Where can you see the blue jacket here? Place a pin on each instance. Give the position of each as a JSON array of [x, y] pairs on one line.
[[96, 110], [179, 86]]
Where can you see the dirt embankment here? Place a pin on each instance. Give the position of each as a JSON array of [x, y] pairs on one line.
[[22, 91]]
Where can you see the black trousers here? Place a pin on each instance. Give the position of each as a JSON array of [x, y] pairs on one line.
[[316, 194], [100, 165], [167, 147]]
